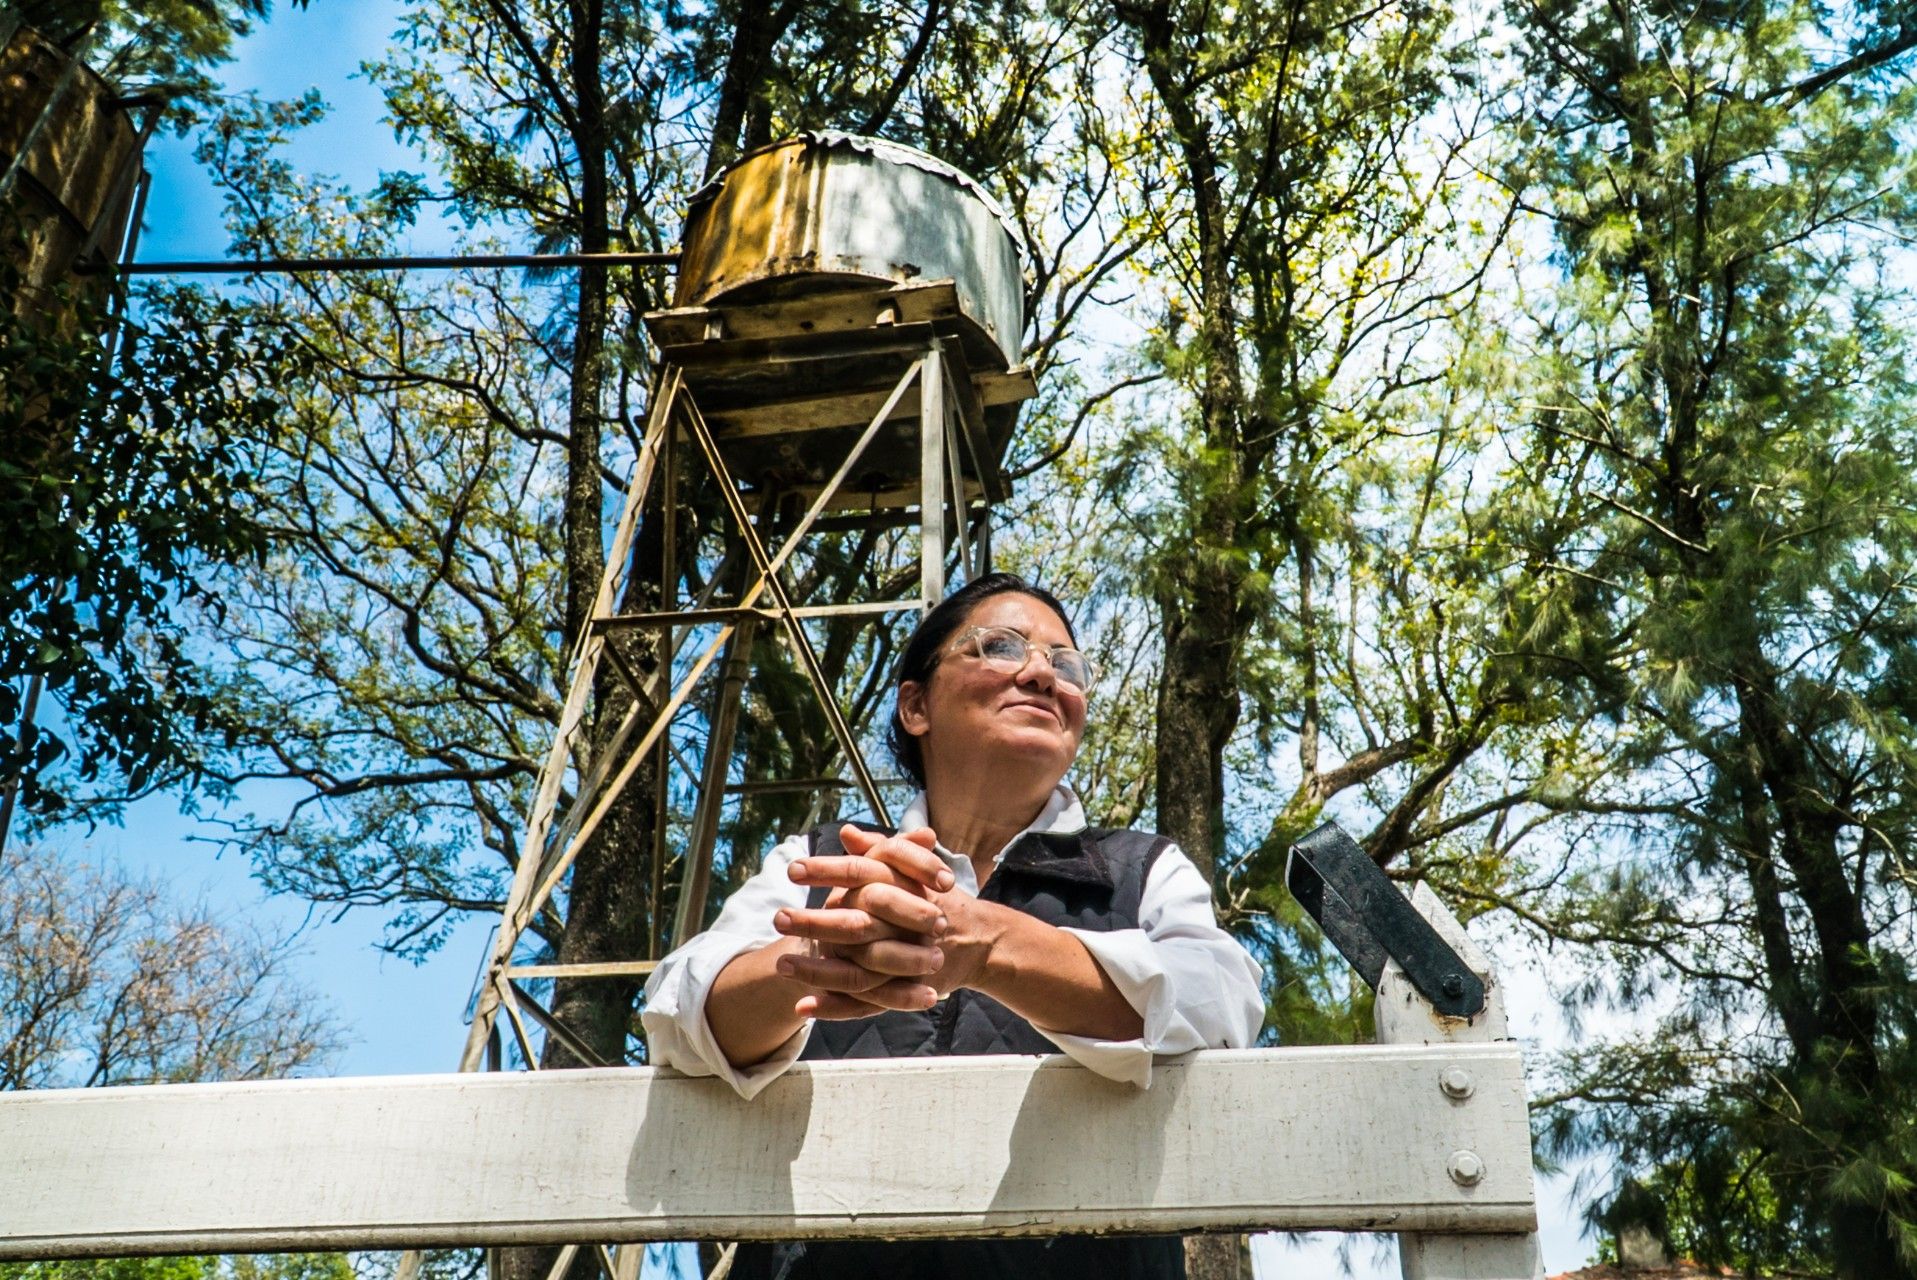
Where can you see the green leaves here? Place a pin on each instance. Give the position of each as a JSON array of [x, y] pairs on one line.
[[164, 47], [283, 1266], [121, 479]]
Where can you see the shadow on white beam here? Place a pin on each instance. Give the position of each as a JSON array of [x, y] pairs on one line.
[[1300, 1139]]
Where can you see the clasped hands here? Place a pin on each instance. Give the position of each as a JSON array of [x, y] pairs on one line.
[[892, 934]]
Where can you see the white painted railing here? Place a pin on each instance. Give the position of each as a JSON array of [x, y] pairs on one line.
[[1337, 1138]]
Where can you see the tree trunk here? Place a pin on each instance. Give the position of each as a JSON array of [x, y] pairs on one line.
[[735, 125], [1197, 711], [1199, 588], [1836, 1042], [606, 913]]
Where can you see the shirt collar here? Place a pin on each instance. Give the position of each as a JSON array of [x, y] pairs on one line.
[[1052, 846], [1063, 814]]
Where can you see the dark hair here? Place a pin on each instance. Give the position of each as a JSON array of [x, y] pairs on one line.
[[921, 656]]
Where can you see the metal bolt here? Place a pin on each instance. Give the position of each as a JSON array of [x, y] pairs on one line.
[[1456, 1083], [1453, 985], [1466, 1169]]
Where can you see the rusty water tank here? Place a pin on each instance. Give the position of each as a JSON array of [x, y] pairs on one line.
[[827, 211], [813, 274], [75, 184]]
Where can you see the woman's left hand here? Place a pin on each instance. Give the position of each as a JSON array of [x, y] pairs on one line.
[[973, 928]]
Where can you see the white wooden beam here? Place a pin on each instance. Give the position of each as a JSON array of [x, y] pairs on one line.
[[1333, 1138], [1402, 1016]]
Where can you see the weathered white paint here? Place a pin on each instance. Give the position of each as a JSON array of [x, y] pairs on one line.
[[1402, 1016], [1333, 1138], [1432, 1257]]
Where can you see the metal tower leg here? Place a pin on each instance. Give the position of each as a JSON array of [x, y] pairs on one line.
[[722, 726], [526, 896], [546, 854]]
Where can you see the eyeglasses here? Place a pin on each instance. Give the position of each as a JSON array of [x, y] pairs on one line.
[[1004, 649]]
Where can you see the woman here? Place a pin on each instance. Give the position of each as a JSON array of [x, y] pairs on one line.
[[993, 921]]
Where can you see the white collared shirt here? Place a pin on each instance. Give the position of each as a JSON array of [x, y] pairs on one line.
[[1190, 981]]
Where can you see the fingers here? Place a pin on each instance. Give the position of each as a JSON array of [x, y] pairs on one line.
[[899, 993], [863, 915], [831, 975], [829, 924], [847, 873], [862, 968], [830, 1006], [901, 959], [856, 873], [879, 921], [910, 853]]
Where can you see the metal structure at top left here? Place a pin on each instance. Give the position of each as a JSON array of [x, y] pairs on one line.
[[844, 349]]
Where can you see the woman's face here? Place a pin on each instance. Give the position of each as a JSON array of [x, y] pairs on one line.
[[969, 713]]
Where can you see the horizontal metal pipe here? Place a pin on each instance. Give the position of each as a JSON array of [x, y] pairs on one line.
[[698, 617], [445, 262]]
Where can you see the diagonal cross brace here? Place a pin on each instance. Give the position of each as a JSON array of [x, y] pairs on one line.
[[1370, 921]]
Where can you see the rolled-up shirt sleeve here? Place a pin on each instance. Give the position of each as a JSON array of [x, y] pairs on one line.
[[677, 1034], [1191, 982]]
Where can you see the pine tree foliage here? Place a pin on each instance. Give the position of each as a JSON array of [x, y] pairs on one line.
[[1723, 419]]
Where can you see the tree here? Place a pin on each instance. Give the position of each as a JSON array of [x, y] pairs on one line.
[[1532, 565], [120, 478], [403, 654], [288, 1266], [122, 462], [103, 981], [1302, 259], [437, 506], [165, 49], [1313, 557], [1723, 415]]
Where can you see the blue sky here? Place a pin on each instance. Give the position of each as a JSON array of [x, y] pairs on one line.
[[321, 47], [400, 1017]]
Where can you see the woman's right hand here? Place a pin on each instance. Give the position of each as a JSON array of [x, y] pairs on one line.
[[876, 934]]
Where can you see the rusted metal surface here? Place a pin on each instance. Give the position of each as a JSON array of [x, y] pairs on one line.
[[75, 181], [825, 210], [813, 273]]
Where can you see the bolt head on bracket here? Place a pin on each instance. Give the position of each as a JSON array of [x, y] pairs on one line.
[[1467, 1168]]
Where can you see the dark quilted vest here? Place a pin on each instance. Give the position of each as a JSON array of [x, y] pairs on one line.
[[1089, 879]]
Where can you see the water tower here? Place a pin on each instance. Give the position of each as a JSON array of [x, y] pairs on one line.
[[844, 342]]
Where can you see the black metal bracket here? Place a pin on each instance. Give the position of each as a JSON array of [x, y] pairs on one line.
[[1370, 921]]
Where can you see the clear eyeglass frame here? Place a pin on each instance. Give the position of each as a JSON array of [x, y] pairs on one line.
[[1007, 650]]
